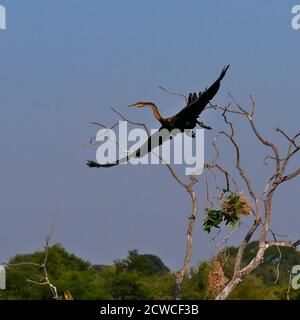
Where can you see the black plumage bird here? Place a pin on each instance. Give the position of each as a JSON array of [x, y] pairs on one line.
[[186, 119]]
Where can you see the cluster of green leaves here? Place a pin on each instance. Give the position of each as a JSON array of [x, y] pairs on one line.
[[214, 218], [141, 276]]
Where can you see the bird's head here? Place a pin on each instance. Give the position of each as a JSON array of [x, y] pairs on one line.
[[152, 106]]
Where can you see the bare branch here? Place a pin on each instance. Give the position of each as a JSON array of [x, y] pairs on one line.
[[43, 266], [174, 93]]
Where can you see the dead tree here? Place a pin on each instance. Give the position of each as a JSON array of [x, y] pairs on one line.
[[42, 267], [262, 204]]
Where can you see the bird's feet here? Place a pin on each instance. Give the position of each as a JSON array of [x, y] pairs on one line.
[[92, 164], [202, 125]]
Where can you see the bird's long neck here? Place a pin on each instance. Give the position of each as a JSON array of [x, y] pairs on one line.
[[156, 112]]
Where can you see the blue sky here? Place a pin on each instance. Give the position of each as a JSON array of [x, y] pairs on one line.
[[65, 63]]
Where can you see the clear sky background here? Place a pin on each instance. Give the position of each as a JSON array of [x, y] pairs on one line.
[[65, 63]]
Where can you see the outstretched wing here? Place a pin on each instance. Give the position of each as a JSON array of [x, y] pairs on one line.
[[155, 140], [197, 103]]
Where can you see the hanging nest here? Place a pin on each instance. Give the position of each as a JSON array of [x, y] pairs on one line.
[[236, 205], [216, 278]]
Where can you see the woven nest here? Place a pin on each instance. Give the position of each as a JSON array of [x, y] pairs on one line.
[[242, 207], [216, 278]]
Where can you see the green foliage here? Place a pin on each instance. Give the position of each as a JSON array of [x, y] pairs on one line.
[[146, 264], [268, 270], [144, 276], [214, 218], [66, 271], [252, 288], [195, 285]]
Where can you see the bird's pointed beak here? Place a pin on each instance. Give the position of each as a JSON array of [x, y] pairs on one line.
[[135, 105]]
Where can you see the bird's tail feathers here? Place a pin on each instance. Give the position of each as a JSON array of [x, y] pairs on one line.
[[94, 164]]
